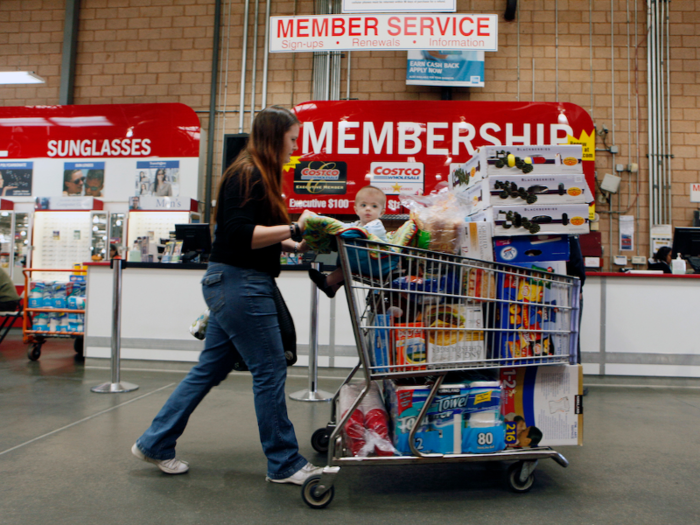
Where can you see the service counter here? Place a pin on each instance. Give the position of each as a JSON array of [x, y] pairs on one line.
[[160, 302], [640, 325], [632, 324]]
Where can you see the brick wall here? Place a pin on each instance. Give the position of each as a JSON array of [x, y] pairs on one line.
[[136, 51]]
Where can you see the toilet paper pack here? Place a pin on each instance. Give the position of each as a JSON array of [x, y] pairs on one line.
[[461, 418]]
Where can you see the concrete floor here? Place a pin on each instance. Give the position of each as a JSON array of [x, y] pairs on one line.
[[65, 459]]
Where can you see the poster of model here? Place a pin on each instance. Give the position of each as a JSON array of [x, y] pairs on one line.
[[84, 178], [445, 68], [16, 179], [159, 178]]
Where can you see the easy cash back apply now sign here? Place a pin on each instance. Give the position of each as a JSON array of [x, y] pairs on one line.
[[372, 32]]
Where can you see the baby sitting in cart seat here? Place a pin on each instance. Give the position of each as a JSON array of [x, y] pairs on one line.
[[370, 203]]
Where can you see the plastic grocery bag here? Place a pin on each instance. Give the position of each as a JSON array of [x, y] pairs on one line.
[[367, 430], [440, 220]]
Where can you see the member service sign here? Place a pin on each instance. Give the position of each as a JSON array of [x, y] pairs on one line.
[[290, 34]]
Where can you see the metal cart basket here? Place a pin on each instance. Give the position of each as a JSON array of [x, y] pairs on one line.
[[509, 317]]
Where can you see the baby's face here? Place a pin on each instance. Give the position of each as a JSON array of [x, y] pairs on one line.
[[368, 208]]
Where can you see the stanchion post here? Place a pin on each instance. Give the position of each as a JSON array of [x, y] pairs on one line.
[[313, 394], [115, 386]]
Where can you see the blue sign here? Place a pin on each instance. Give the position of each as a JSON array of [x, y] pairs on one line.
[[445, 68]]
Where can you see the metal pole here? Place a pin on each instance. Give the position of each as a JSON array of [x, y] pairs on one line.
[[244, 55], [212, 114], [313, 394], [115, 386]]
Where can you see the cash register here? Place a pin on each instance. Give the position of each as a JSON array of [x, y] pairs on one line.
[[686, 241]]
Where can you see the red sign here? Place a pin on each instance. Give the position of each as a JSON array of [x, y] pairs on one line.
[[411, 145], [381, 31], [99, 131]]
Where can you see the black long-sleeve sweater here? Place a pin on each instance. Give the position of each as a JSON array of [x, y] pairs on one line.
[[235, 222]]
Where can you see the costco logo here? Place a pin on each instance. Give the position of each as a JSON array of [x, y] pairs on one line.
[[397, 177]]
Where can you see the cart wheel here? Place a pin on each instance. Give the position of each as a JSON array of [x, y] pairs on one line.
[[34, 352], [308, 493], [514, 478], [78, 345], [320, 439]]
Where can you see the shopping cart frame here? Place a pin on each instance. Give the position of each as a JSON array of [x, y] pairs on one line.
[[318, 491]]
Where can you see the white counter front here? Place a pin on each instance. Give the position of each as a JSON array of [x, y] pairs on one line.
[[160, 302], [640, 325]]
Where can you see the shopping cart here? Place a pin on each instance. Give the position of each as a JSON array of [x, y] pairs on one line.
[[36, 338], [525, 318]]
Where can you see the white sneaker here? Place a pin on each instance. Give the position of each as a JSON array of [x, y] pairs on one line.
[[169, 466], [300, 476]]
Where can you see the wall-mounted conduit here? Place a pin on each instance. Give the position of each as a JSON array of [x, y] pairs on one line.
[[658, 86]]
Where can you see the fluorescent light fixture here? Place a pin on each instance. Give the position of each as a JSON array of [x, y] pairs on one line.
[[20, 77]]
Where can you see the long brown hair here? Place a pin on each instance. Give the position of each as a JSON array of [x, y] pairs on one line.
[[263, 151]]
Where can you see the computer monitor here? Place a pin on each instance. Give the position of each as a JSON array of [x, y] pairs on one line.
[[686, 241], [195, 237]]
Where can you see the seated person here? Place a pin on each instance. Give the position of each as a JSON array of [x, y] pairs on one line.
[[370, 203], [9, 300], [661, 260]]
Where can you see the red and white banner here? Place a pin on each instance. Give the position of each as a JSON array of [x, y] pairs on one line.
[[290, 34], [108, 151], [100, 131], [410, 145]]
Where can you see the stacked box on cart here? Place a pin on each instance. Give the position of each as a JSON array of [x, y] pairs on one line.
[[455, 343], [527, 190], [563, 219], [380, 349], [542, 405], [519, 318], [477, 241], [555, 267], [531, 248], [546, 160], [534, 320], [445, 428]]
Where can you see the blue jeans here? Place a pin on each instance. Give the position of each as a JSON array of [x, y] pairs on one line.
[[242, 316]]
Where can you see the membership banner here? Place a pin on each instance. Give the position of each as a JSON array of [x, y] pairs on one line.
[[290, 34], [413, 146]]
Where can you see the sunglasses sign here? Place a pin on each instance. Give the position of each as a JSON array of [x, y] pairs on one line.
[[98, 150]]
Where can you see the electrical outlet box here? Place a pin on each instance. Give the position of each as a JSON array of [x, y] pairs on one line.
[[638, 259], [619, 167], [633, 168], [614, 149], [611, 183]]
